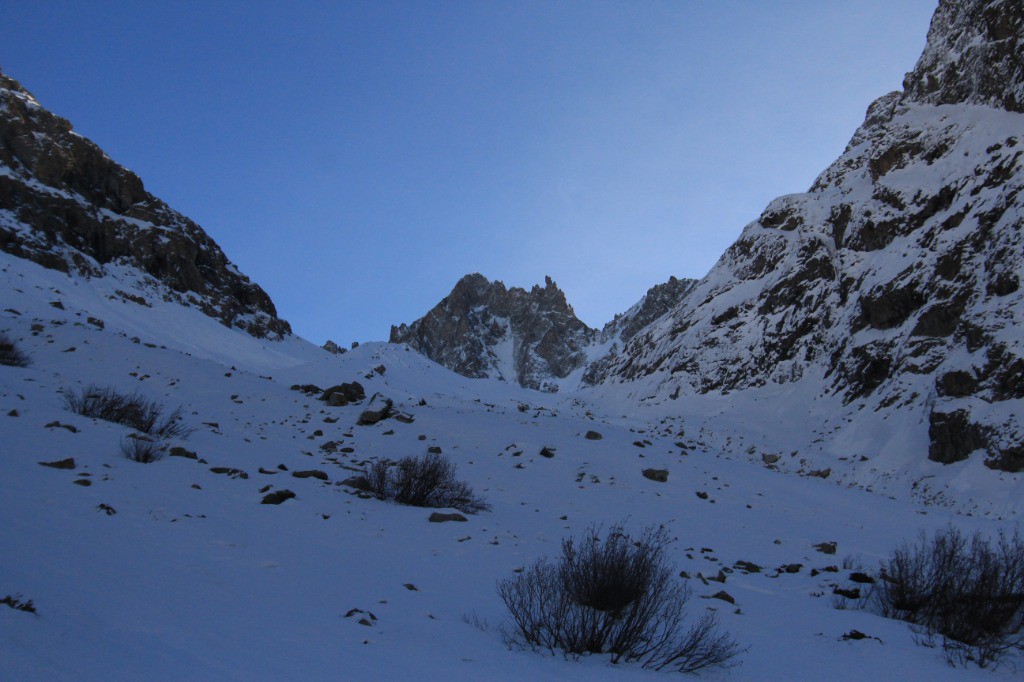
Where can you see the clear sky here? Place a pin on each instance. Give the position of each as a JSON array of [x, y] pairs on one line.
[[357, 158]]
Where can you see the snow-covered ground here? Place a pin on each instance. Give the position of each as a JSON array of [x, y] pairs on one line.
[[188, 576]]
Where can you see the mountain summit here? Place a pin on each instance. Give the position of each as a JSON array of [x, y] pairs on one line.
[[533, 338], [482, 329]]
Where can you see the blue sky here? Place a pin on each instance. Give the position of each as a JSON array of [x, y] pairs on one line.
[[357, 158]]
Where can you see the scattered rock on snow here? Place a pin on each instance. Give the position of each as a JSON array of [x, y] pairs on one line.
[[379, 409], [228, 471], [68, 463], [277, 497], [659, 475], [311, 473], [440, 517], [724, 596], [861, 578]]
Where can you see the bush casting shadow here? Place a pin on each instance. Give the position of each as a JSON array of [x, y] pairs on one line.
[[10, 354], [617, 596], [128, 409], [141, 450], [427, 481], [967, 592]]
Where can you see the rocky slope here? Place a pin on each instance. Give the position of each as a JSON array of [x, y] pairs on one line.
[[895, 280], [482, 329], [531, 337], [66, 205]]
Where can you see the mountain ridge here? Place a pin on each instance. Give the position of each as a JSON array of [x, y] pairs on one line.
[[898, 273], [533, 338], [68, 206]]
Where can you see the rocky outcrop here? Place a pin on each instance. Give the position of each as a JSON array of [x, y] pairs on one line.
[[973, 56], [66, 205], [482, 329], [658, 301], [895, 280], [531, 337], [333, 348]]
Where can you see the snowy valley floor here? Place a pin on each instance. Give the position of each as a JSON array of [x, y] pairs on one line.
[[192, 578]]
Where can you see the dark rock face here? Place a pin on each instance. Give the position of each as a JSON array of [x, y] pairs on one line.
[[483, 329], [973, 56], [66, 205], [896, 278], [953, 436], [332, 347], [658, 300], [532, 337]]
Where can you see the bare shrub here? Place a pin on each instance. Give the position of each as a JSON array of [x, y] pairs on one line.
[[128, 409], [967, 591], [18, 604], [10, 354], [618, 596], [426, 481], [141, 450]]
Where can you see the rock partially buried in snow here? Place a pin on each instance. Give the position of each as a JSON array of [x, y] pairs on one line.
[[277, 497], [311, 473], [378, 410], [439, 517], [343, 394], [724, 596], [68, 463], [593, 435], [659, 475]]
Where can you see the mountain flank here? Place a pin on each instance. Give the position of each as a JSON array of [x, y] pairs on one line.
[[66, 205]]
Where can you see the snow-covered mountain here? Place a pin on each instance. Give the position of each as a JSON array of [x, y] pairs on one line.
[[68, 206], [894, 281], [482, 329], [786, 402]]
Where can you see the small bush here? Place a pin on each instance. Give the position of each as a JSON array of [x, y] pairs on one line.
[[10, 354], [427, 481], [18, 604], [128, 409], [618, 596], [967, 591], [141, 450]]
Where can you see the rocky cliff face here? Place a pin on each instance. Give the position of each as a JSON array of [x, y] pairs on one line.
[[895, 280], [659, 299], [481, 329], [66, 205], [530, 337]]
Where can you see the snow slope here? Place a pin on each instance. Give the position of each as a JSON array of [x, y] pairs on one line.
[[192, 578]]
